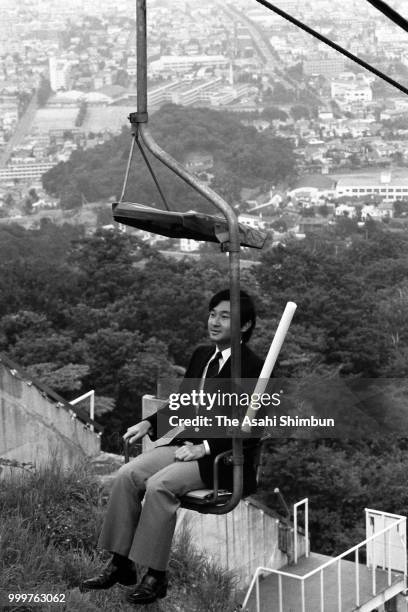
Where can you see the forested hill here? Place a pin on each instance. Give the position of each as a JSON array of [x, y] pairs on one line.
[[242, 157], [107, 312]]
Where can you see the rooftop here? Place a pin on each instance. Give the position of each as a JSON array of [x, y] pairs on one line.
[[372, 179], [319, 181]]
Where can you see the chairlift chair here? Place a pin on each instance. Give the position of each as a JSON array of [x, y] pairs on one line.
[[203, 500], [225, 230], [203, 227]]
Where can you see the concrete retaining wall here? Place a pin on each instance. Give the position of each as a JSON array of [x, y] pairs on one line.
[[34, 428]]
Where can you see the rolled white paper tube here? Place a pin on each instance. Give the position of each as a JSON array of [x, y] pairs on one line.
[[271, 357]]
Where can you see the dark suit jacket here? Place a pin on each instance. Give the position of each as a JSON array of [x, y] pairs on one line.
[[251, 367]]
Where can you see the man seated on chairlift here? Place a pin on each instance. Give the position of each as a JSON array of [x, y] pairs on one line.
[[142, 534]]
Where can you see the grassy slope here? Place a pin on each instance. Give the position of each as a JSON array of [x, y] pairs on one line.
[[49, 522]]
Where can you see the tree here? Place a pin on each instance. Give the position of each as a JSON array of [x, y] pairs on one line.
[[354, 160], [273, 112], [323, 210], [282, 95], [105, 263], [299, 111], [9, 200], [401, 208], [226, 185], [43, 92], [238, 151], [366, 473], [83, 107], [64, 379], [70, 197]]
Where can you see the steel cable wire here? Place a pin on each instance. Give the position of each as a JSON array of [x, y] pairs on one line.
[[389, 12], [334, 45]]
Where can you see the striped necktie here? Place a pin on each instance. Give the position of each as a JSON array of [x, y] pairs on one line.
[[213, 367]]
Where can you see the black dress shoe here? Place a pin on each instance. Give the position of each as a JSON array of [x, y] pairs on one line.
[[110, 576], [148, 590]]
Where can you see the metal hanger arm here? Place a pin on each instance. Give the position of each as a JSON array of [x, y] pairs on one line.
[[152, 174]]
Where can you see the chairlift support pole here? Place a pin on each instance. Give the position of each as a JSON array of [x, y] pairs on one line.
[[139, 121]]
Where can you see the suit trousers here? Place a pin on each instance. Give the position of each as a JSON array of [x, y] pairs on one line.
[[144, 532]]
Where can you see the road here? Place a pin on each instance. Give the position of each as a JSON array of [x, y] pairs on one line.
[[22, 129], [260, 38]]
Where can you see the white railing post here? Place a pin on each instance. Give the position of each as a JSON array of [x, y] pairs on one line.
[[257, 594], [357, 570], [303, 596], [280, 593], [367, 521], [307, 527], [373, 560], [321, 591], [295, 545], [404, 546], [92, 408], [389, 558], [91, 395], [339, 584], [304, 502], [385, 543]]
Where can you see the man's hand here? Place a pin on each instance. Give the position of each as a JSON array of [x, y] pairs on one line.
[[136, 432], [190, 452]]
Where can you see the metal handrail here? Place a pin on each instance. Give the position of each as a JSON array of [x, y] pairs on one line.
[[260, 570], [302, 502], [91, 395]]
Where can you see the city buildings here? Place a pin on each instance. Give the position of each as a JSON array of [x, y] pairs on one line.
[[225, 56]]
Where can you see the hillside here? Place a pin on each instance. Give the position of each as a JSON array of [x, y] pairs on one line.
[[242, 157], [107, 312], [49, 525]]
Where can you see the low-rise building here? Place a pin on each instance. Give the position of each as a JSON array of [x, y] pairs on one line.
[[183, 63], [346, 210], [313, 187], [349, 87], [390, 186]]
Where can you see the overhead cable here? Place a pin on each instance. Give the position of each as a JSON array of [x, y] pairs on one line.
[[389, 12], [332, 44]]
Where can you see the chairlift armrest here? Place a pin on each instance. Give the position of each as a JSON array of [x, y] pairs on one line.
[[215, 469], [126, 447]]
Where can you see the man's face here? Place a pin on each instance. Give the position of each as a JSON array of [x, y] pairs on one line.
[[219, 325]]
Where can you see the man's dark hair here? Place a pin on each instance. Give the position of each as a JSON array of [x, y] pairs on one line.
[[248, 312]]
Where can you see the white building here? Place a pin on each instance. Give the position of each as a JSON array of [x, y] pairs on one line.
[[349, 87], [184, 63], [383, 211], [59, 73], [251, 221], [345, 210], [188, 245], [9, 114], [24, 171], [385, 184]]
